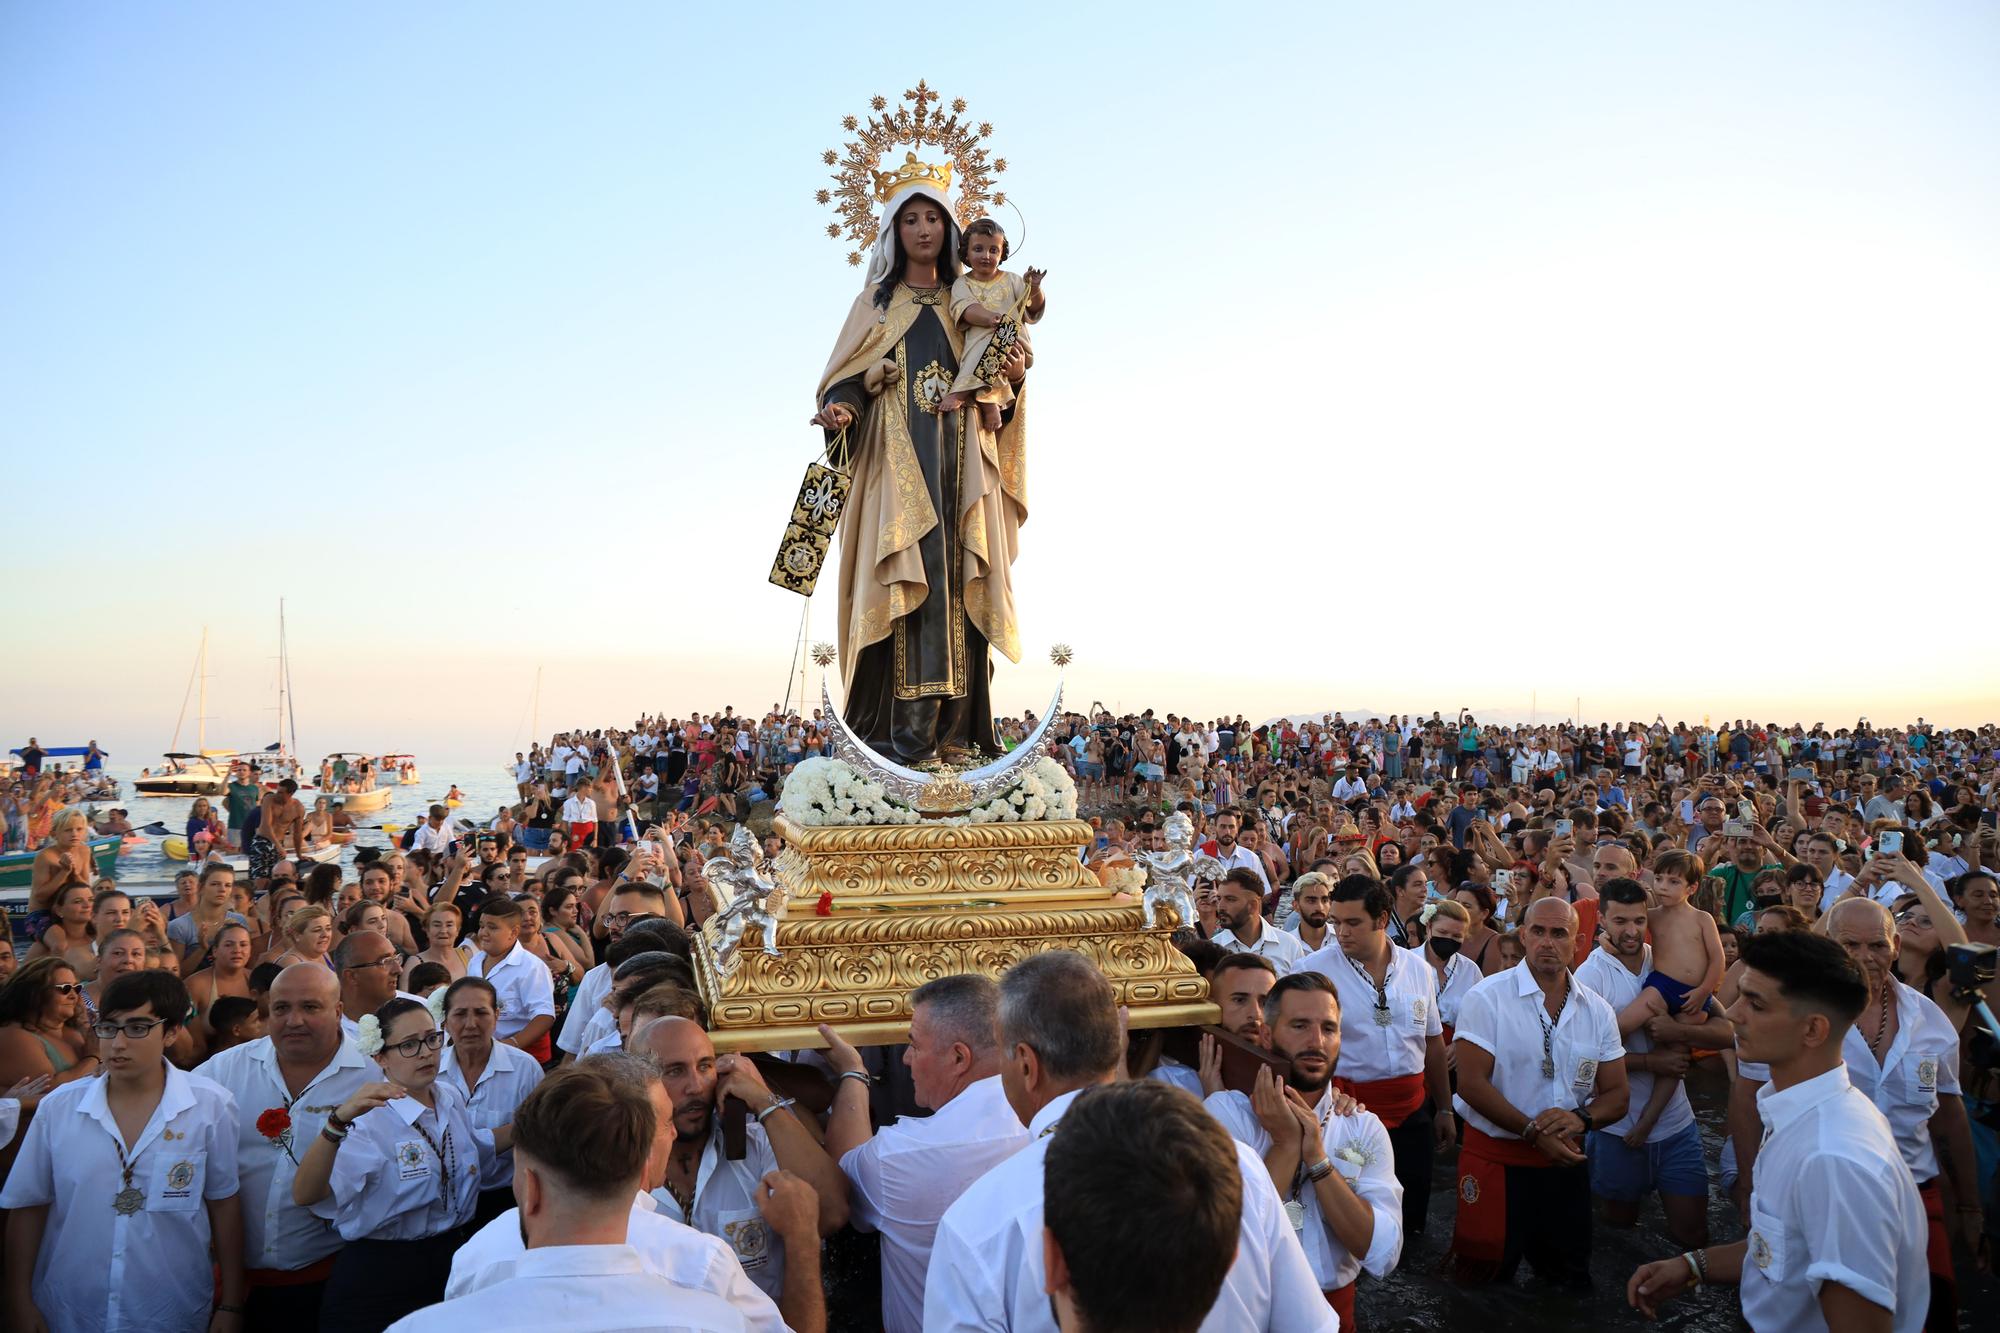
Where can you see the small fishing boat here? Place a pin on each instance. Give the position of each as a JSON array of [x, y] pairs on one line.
[[365, 802], [17, 869]]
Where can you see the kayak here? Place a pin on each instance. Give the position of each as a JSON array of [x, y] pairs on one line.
[[17, 869]]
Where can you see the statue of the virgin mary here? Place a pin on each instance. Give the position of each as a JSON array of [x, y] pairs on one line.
[[932, 520]]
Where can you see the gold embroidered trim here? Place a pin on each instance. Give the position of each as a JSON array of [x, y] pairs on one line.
[[930, 386]]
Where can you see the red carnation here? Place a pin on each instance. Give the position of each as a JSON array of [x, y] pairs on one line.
[[274, 1122], [824, 907]]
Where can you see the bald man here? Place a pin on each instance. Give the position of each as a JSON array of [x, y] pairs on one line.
[[285, 1084], [710, 1193], [1540, 1064], [1902, 1054]]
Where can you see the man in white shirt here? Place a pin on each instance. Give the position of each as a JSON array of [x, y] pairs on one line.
[[1312, 900], [1329, 1155], [526, 991], [1349, 786], [366, 964], [676, 1252], [1232, 853], [1238, 986], [285, 1085], [631, 901], [1059, 1035], [709, 1192], [1836, 1226], [905, 1176], [122, 1180], [1901, 1054], [524, 774], [1671, 1160], [1392, 1053], [432, 835], [581, 1141], [1239, 908], [1530, 1037], [1128, 1154]]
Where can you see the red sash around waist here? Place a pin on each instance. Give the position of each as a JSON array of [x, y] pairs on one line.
[[1342, 1301], [1394, 1100], [290, 1277], [1938, 1242], [1479, 1235]]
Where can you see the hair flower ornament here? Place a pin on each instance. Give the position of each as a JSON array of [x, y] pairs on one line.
[[1430, 910], [435, 1003], [368, 1035]]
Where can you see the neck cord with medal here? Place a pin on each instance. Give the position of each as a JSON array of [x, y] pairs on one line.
[[694, 1189], [1549, 1029], [1295, 1207], [1881, 1024], [446, 1152], [128, 1200], [1381, 988]]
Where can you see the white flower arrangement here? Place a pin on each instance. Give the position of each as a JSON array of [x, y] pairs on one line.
[[1045, 792], [1124, 879], [1355, 1156], [368, 1035], [823, 793], [435, 1003]]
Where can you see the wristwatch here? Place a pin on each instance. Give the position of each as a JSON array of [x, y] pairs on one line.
[[1583, 1114]]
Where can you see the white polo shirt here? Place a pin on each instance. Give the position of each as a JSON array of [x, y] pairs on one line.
[[523, 983], [1358, 1147], [1461, 974], [1618, 985], [725, 1205], [906, 1176], [579, 810], [586, 1004], [1921, 1063], [579, 1289], [146, 1271], [986, 1266], [407, 1171], [278, 1233], [677, 1253], [1281, 947], [1369, 1049], [1828, 1204], [509, 1076], [1499, 1017], [1249, 860]]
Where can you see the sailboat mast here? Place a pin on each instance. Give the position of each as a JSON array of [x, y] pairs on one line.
[[288, 718], [535, 725], [201, 713]]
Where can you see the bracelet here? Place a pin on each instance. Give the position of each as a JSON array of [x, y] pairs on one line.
[[858, 1075], [1320, 1170], [335, 1137], [1694, 1266], [777, 1104]]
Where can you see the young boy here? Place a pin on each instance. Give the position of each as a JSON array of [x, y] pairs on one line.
[[983, 300], [1687, 967], [232, 1021], [526, 991]]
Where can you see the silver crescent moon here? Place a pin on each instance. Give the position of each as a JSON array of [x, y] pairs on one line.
[[906, 784]]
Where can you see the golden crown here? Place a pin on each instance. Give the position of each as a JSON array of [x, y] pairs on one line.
[[912, 172], [860, 188]]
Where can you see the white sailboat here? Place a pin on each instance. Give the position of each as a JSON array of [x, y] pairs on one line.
[[198, 773]]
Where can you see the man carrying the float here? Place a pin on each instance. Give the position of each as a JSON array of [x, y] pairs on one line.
[[1540, 1065], [933, 517], [1392, 1049]]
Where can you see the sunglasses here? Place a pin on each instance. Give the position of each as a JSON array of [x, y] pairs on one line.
[[68, 987]]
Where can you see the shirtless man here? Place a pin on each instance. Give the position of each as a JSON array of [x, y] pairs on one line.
[[282, 817]]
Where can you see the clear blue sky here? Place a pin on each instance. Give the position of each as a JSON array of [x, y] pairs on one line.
[[486, 333]]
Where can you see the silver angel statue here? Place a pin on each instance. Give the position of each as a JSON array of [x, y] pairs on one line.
[[1171, 875], [747, 894]]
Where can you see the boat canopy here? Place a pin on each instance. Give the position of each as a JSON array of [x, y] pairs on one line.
[[63, 751], [387, 757]]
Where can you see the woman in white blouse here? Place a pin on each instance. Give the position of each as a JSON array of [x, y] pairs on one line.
[[495, 1079], [396, 1171]]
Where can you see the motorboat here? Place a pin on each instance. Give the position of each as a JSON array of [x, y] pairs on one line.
[[186, 775], [94, 784], [404, 766]]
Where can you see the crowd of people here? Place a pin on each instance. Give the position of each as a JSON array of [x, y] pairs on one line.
[[472, 1078]]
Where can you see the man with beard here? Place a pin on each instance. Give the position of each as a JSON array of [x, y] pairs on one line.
[[1530, 1037], [1395, 1047], [1239, 906], [1059, 1036], [1671, 1160], [1238, 986], [1312, 899], [1224, 848], [1902, 1055], [1330, 1158], [1746, 861]]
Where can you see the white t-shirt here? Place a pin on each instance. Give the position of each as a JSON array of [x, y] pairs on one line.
[[1618, 985], [1371, 1050]]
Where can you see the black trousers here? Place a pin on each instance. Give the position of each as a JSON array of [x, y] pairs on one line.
[[377, 1282], [1549, 1223], [1411, 1142], [283, 1309]]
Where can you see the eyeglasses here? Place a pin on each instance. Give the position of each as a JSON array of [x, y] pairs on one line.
[[136, 1028], [627, 918], [68, 987], [389, 961], [410, 1046]]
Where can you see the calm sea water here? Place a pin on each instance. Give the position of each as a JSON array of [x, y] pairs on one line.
[[486, 788]]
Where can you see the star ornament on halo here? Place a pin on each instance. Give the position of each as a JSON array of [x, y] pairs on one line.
[[823, 653], [1061, 655], [860, 187]]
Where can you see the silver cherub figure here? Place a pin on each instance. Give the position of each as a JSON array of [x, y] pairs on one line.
[[1172, 874], [746, 896]]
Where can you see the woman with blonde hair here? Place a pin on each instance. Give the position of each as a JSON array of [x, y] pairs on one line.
[[309, 932], [66, 860]]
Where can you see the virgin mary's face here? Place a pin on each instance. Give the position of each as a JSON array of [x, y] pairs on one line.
[[921, 229]]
